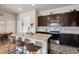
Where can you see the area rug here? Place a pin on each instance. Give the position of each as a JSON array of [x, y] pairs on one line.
[[63, 49]]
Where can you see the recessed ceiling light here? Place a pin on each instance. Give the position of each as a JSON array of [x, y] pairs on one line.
[[33, 4], [19, 9]]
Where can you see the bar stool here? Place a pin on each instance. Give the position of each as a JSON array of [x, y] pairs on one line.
[[32, 48], [20, 44], [11, 45], [17, 44], [27, 41], [37, 43]]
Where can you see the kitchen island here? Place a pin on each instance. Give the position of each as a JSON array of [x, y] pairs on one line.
[[38, 37]]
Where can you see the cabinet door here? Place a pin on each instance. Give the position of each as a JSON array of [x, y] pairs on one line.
[[72, 19], [64, 39], [77, 18], [52, 17], [47, 20], [41, 21], [64, 19], [69, 39]]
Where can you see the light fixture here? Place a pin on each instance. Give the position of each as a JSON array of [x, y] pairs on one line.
[[2, 22], [19, 9], [33, 4]]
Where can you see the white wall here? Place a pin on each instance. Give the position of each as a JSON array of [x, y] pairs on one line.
[[9, 19], [27, 18], [67, 29]]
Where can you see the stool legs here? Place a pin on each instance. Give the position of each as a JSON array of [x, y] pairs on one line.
[[41, 50]]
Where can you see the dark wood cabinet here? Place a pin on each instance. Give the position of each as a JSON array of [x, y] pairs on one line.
[[41, 21], [72, 18], [53, 17], [77, 19], [44, 20], [66, 19], [47, 20], [69, 39], [63, 18]]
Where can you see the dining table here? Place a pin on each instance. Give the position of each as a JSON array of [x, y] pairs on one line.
[[4, 36]]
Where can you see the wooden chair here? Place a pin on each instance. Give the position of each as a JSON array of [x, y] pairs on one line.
[[4, 38], [31, 48]]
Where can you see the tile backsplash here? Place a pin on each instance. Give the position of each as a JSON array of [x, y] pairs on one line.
[[65, 29], [44, 29]]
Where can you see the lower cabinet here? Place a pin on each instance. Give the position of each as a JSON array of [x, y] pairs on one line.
[[69, 39]]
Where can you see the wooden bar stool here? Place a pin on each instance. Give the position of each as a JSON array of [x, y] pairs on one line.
[[20, 44], [37, 43], [32, 48]]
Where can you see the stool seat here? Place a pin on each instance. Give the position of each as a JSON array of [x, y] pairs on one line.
[[32, 48]]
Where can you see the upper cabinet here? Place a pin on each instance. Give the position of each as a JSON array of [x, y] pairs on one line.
[[77, 18], [45, 20], [63, 19], [72, 18], [66, 19], [41, 21]]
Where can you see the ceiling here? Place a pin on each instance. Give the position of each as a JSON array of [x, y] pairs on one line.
[[19, 8]]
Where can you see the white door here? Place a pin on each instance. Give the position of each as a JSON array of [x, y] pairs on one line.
[[2, 26]]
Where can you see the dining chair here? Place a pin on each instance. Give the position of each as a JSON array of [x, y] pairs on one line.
[[4, 38]]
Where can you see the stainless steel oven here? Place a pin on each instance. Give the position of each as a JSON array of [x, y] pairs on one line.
[[55, 30]]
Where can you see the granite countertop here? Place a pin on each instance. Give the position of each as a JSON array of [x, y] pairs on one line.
[[38, 36]]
